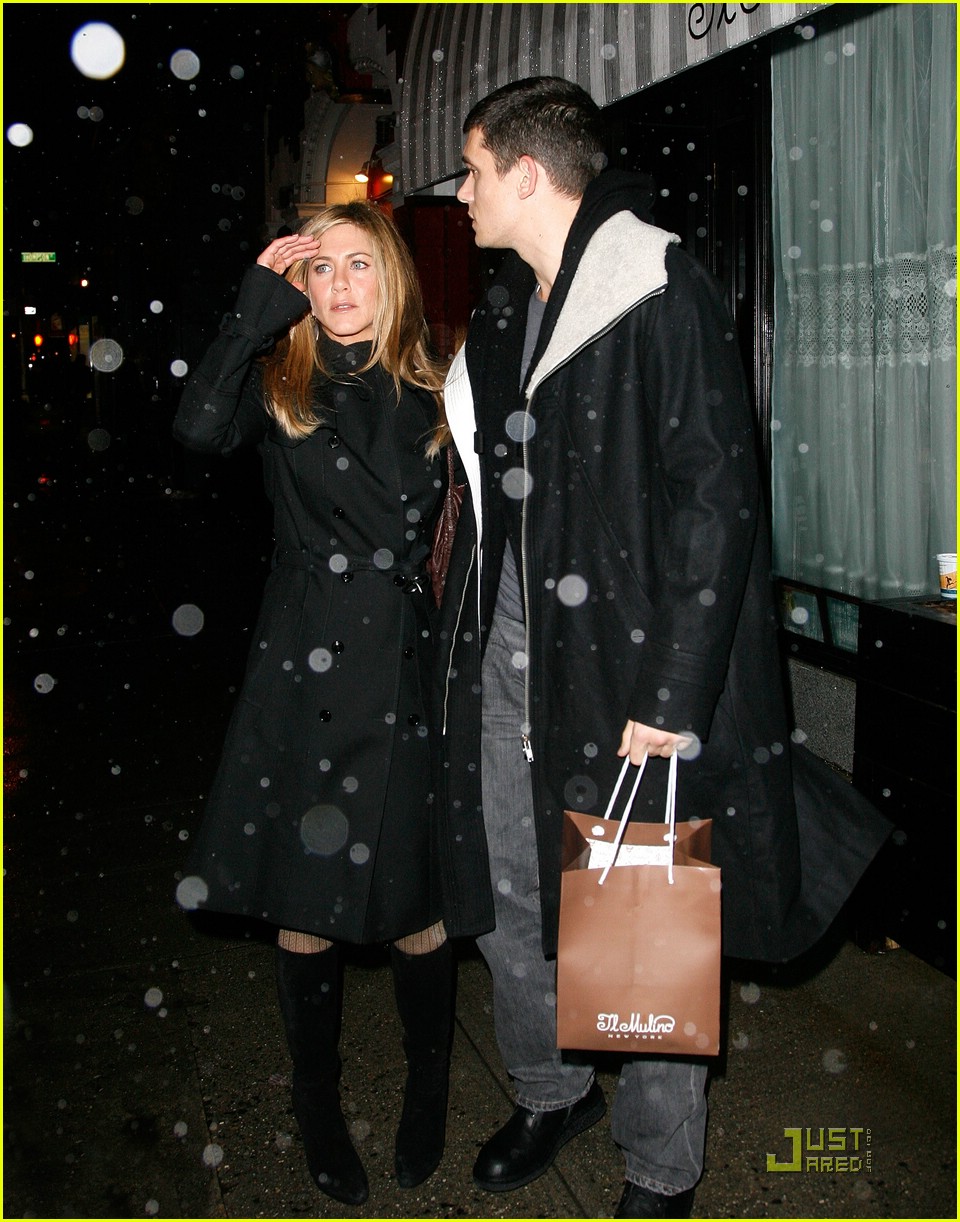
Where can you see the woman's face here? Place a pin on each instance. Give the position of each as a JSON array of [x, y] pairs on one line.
[[342, 284]]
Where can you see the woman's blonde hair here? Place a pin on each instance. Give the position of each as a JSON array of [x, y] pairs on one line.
[[401, 338]]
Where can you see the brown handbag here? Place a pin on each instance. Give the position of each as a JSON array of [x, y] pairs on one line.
[[638, 962], [439, 559]]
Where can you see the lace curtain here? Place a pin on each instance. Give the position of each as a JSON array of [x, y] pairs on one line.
[[864, 390]]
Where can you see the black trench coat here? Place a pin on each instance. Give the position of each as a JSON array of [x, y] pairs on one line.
[[319, 816], [631, 490]]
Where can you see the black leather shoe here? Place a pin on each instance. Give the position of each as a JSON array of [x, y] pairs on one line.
[[529, 1142], [640, 1202]]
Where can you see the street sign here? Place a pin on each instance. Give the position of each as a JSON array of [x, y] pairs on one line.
[[38, 256]]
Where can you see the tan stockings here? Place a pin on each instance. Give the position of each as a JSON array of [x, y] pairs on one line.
[[421, 943]]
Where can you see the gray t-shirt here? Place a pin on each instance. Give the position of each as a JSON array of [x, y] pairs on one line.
[[509, 598]]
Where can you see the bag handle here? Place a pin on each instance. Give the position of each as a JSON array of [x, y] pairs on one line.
[[669, 815]]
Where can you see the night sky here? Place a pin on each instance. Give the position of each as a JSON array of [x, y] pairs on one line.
[[149, 183]]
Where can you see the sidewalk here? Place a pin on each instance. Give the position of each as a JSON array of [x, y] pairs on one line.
[[125, 1103], [145, 1071]]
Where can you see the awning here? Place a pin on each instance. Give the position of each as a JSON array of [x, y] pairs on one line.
[[458, 53]]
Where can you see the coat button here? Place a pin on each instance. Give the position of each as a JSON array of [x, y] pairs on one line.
[[409, 652], [413, 719], [338, 512], [398, 579], [346, 578], [333, 441], [337, 646], [325, 714]]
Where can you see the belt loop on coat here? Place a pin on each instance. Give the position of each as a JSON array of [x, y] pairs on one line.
[[410, 575]]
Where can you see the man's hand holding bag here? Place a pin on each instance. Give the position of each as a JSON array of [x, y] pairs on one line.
[[638, 964]]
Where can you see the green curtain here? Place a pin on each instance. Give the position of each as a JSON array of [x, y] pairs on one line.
[[865, 258]]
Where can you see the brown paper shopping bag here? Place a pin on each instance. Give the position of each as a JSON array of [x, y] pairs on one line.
[[638, 964]]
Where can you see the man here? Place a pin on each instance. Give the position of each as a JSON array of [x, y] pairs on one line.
[[607, 595]]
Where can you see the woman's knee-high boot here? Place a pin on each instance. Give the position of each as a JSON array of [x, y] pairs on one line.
[[310, 993], [424, 987]]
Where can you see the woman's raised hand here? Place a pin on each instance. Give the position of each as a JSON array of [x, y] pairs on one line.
[[284, 252]]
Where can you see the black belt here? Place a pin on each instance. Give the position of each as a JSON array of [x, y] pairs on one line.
[[410, 575]]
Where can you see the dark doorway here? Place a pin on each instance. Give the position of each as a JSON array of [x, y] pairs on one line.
[[703, 138]]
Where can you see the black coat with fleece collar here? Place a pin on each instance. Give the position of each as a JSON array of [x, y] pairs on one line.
[[627, 479]]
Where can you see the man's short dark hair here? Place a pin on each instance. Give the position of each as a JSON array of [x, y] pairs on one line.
[[547, 118]]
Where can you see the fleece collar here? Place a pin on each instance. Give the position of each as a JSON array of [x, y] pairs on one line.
[[623, 263]]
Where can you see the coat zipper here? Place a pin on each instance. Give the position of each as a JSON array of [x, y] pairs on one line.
[[527, 726]]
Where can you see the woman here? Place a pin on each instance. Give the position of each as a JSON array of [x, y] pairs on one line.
[[318, 820]]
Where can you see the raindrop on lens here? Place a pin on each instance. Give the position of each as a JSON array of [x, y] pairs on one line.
[[517, 483], [212, 1155], [184, 65], [320, 660], [19, 135], [520, 426], [572, 590], [580, 792], [324, 830], [187, 620], [97, 50], [192, 891], [106, 355]]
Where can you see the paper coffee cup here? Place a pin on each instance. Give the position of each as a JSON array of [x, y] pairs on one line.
[[947, 562]]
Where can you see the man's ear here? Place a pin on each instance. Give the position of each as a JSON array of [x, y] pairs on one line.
[[530, 172]]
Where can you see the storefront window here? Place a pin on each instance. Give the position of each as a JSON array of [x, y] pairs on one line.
[[864, 235]]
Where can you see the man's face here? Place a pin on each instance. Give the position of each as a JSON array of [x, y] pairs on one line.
[[491, 200]]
